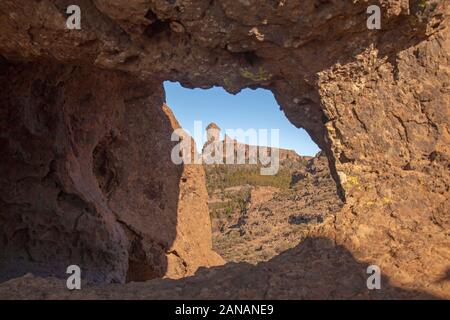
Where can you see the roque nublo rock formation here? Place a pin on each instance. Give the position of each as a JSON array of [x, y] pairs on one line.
[[85, 170]]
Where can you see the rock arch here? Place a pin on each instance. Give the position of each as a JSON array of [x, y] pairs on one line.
[[373, 100]]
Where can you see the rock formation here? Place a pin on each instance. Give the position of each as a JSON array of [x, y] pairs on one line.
[[81, 122], [81, 179], [250, 154], [191, 248]]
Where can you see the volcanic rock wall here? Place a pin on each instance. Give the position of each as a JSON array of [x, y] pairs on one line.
[[86, 179], [376, 101]]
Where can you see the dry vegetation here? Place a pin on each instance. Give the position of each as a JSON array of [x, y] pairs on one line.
[[256, 217]]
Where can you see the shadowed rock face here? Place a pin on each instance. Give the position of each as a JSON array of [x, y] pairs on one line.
[[291, 275], [375, 101], [87, 179]]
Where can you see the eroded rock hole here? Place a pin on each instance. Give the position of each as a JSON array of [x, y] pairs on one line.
[[143, 264], [103, 166], [251, 58], [157, 27], [255, 217]]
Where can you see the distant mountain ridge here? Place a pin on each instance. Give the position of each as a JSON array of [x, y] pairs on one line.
[[214, 143]]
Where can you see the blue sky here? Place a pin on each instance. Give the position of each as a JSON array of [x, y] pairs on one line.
[[250, 109]]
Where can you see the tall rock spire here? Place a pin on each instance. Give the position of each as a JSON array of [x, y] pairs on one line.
[[213, 133]]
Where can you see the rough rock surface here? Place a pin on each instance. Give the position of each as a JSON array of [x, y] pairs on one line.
[[376, 101], [81, 183]]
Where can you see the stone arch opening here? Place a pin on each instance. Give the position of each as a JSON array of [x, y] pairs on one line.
[[254, 215]]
